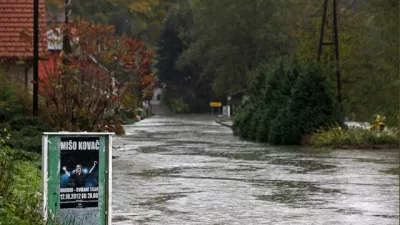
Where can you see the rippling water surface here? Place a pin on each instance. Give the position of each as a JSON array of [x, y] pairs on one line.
[[190, 170]]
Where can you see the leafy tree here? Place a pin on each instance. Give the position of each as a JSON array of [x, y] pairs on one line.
[[228, 42], [149, 15], [184, 85], [79, 92], [138, 18], [368, 40], [208, 48]]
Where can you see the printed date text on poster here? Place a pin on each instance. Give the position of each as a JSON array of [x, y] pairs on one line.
[[79, 159]]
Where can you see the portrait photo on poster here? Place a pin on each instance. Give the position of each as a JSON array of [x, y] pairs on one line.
[[79, 174]]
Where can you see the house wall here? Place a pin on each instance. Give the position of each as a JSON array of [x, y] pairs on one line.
[[16, 72]]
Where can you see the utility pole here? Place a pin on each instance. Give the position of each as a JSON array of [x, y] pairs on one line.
[[35, 57], [334, 42], [66, 44]]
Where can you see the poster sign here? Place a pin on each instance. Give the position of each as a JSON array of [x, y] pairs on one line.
[[77, 178]]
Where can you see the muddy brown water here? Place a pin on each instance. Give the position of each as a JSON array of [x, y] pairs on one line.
[[191, 170]]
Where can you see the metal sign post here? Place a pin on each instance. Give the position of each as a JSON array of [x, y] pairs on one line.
[[77, 185]]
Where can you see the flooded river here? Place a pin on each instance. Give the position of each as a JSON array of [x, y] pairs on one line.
[[190, 170]]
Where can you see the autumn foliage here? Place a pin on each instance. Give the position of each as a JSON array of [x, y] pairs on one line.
[[79, 87]]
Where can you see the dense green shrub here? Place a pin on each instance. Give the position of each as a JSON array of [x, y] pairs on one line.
[[239, 118], [283, 129], [286, 101], [26, 133], [311, 106], [253, 124], [178, 105], [242, 121], [19, 122], [126, 116], [175, 102]]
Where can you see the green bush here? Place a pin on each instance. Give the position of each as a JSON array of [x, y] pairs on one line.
[[19, 122], [242, 121], [238, 121], [175, 102], [287, 100], [283, 129], [126, 116], [178, 105], [311, 106], [27, 133], [253, 124]]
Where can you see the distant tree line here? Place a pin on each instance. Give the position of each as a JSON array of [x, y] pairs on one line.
[[209, 49]]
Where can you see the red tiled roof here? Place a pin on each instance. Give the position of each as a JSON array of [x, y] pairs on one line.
[[16, 17]]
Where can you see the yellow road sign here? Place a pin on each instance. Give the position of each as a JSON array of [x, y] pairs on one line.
[[215, 104]]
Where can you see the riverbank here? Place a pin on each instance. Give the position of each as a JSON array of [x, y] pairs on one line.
[[356, 137]]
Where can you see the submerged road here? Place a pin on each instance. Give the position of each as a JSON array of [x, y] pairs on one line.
[[190, 170]]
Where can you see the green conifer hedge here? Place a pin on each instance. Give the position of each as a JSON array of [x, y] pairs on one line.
[[287, 100]]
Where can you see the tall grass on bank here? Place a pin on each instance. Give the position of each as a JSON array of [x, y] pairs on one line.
[[20, 189], [338, 137]]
